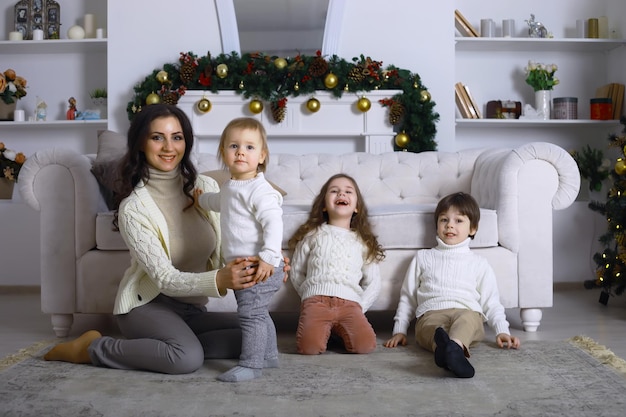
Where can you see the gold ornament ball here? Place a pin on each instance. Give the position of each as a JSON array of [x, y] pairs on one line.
[[280, 63], [620, 167], [424, 96], [313, 105], [204, 105], [256, 106], [402, 139], [331, 81], [162, 76], [364, 104], [222, 70], [153, 98]]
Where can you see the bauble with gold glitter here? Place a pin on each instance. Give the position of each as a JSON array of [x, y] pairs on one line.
[[256, 106], [162, 76], [331, 80], [222, 70], [313, 105], [402, 140], [280, 63], [364, 104], [204, 105], [153, 98]]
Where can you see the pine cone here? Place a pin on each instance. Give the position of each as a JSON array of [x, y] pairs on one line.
[[396, 113], [356, 74], [170, 98], [278, 111], [187, 71], [318, 67]]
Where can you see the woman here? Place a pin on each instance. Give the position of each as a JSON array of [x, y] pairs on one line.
[[175, 256]]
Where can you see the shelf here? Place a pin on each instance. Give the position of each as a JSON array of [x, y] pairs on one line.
[[537, 44], [102, 123], [54, 46], [522, 123]]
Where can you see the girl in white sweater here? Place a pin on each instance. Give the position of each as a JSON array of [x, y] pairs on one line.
[[335, 270], [451, 291]]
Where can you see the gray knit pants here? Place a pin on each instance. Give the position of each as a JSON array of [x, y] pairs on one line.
[[258, 340]]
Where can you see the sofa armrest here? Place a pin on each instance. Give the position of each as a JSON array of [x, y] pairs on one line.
[[524, 186], [58, 183]]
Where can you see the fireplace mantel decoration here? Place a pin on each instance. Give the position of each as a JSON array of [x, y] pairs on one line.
[[276, 79]]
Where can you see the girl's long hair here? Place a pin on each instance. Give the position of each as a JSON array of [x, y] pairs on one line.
[[359, 223]]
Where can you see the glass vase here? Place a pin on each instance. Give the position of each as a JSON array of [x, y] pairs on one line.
[[542, 103]]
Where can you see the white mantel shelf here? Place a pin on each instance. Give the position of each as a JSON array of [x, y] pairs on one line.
[[338, 119], [522, 123]]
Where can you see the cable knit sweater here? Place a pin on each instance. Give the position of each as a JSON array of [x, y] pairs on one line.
[[449, 276], [251, 218], [330, 261], [145, 231]]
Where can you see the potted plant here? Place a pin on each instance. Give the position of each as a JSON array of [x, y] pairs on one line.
[[99, 100], [10, 165], [12, 88]]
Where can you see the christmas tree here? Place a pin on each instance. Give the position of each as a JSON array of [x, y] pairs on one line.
[[611, 262]]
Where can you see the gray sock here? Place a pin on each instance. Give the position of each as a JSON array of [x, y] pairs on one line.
[[240, 373]]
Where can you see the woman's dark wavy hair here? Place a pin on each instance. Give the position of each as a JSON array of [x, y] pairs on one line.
[[133, 166], [359, 223]]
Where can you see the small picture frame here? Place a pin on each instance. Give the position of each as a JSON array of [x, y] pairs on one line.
[[38, 14]]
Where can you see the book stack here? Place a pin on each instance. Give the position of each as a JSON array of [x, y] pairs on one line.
[[614, 91], [464, 27], [465, 102]]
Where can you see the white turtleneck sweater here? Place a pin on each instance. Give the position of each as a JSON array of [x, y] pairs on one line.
[[449, 276], [330, 261]]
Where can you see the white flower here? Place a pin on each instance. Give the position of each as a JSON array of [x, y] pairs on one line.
[[9, 154]]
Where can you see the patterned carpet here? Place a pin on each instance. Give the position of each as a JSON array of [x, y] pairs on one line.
[[540, 379]]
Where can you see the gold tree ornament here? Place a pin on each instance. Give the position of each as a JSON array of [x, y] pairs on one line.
[[313, 105], [620, 166], [256, 106], [331, 80], [280, 63], [364, 104], [153, 98], [424, 96], [204, 105], [222, 70], [162, 77], [402, 140]]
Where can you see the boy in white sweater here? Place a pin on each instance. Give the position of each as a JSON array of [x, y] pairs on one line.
[[451, 291]]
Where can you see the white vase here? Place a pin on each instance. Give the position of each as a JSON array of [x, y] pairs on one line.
[[542, 103]]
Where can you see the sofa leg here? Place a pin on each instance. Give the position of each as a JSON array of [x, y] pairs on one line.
[[61, 324], [531, 317]]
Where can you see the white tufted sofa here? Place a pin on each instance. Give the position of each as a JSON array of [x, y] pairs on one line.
[[83, 259]]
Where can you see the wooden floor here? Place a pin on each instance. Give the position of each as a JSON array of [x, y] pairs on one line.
[[576, 311]]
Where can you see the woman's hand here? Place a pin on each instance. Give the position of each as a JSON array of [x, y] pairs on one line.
[[237, 274]]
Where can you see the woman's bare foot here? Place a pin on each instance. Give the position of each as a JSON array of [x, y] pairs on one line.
[[74, 351]]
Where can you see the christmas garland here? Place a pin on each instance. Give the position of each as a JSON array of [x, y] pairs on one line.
[[275, 79]]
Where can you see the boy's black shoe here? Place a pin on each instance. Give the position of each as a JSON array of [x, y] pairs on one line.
[[441, 340], [457, 362]]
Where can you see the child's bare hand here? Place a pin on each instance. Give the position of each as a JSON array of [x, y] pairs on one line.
[[507, 341], [397, 339], [263, 271]]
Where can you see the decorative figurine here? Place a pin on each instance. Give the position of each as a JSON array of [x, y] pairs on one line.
[[71, 112], [536, 29], [41, 110]]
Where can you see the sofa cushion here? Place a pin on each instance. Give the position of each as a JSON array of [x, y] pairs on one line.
[[401, 226], [111, 147]]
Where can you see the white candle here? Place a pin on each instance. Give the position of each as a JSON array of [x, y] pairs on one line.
[[19, 116], [100, 33], [38, 35], [90, 25], [15, 36]]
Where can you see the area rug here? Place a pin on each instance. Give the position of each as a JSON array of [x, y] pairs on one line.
[[558, 378]]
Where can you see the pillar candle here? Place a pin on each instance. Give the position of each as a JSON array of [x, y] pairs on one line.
[[15, 36], [90, 25]]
